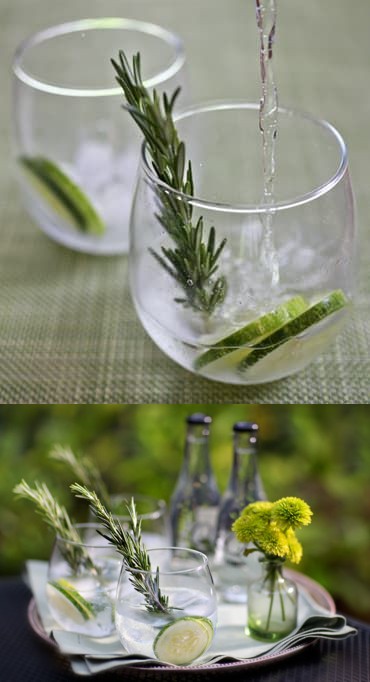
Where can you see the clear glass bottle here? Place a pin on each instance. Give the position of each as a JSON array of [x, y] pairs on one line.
[[194, 503], [233, 570]]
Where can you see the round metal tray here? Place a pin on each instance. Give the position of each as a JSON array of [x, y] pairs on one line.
[[316, 592]]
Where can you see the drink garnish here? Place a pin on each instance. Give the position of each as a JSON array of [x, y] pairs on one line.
[[62, 194], [129, 544], [192, 261], [329, 304], [57, 517], [183, 640], [68, 601], [253, 331]]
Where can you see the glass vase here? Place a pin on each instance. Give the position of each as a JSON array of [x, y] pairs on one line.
[[272, 603], [285, 271]]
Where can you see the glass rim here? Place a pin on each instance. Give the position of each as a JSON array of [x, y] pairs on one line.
[[203, 562], [222, 105], [157, 513], [169, 37], [88, 544]]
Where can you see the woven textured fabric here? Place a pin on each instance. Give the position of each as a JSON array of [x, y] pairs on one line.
[[68, 330], [26, 658]]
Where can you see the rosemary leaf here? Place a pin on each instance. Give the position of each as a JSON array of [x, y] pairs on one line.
[[84, 469], [130, 546], [191, 257], [57, 517]]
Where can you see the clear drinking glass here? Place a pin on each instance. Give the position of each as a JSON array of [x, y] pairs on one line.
[[185, 630], [151, 512], [77, 151], [288, 266], [82, 583]]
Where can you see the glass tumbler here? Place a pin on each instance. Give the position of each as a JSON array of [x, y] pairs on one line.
[[82, 581], [176, 622], [276, 280], [77, 151]]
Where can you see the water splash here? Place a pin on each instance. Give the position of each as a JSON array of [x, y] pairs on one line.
[[268, 123]]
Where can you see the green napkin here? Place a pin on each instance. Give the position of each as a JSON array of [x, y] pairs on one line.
[[89, 655]]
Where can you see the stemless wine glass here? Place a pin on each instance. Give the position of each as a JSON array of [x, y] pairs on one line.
[[286, 269], [82, 582], [77, 151], [177, 626]]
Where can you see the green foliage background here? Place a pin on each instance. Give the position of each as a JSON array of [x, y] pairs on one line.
[[320, 453]]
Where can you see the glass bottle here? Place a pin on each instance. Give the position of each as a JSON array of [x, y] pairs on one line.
[[233, 570], [195, 500], [272, 603]]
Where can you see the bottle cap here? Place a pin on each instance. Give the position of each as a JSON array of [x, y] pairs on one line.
[[199, 418], [245, 426]]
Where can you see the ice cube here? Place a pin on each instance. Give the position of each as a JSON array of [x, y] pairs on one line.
[[94, 163]]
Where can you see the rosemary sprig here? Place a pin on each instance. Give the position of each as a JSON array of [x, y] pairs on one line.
[[130, 545], [193, 261], [57, 517], [84, 470]]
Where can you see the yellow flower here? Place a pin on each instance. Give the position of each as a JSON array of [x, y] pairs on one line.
[[270, 526], [295, 547], [262, 509], [252, 522], [273, 542], [291, 512], [244, 530]]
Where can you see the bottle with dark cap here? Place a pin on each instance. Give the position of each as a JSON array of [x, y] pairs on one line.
[[245, 486], [195, 501]]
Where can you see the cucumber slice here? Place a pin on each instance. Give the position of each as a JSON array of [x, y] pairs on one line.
[[253, 331], [330, 304], [67, 601], [62, 194], [183, 640]]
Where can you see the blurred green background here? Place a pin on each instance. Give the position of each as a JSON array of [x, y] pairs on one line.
[[320, 453]]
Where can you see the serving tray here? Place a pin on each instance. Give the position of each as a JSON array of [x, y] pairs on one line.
[[314, 589]]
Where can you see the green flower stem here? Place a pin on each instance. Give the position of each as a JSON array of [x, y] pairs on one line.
[[273, 571], [281, 602], [271, 602]]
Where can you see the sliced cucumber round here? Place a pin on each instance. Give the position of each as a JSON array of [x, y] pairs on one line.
[[183, 640], [62, 194], [333, 302], [253, 331], [68, 602]]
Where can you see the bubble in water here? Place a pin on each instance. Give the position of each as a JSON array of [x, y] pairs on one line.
[[190, 282]]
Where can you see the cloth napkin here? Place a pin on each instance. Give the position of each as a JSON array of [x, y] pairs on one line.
[[89, 655]]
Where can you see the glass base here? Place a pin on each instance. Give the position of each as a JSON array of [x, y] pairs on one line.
[[113, 242], [266, 635]]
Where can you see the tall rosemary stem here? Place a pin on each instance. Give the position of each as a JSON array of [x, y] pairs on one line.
[[193, 261], [131, 547]]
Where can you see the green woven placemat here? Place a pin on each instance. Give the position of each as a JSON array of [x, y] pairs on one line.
[[68, 331]]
